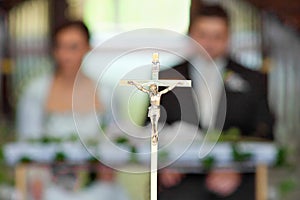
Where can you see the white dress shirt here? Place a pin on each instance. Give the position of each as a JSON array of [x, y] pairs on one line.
[[208, 84]]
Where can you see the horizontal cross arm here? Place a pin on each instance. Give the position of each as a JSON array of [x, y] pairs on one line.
[[179, 83], [161, 82]]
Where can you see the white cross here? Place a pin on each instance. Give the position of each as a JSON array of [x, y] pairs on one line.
[[154, 109]]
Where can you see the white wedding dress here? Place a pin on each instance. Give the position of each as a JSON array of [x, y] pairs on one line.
[[34, 123]]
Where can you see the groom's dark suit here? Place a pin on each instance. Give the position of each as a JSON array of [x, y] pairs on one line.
[[246, 109], [246, 104]]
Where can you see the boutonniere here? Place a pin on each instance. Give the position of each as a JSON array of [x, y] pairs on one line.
[[235, 82]]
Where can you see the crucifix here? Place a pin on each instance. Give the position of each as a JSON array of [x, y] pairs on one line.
[[154, 109]]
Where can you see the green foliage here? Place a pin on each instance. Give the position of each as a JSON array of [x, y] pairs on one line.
[[7, 134], [60, 157], [133, 156], [25, 160], [1, 155], [238, 155], [121, 140], [287, 186], [93, 160], [133, 150], [281, 157], [208, 162], [6, 174], [47, 139], [233, 135]]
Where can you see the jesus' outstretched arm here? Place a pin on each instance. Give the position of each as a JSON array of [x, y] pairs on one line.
[[168, 89], [139, 86]]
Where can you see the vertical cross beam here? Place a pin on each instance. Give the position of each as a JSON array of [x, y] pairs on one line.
[[154, 110], [155, 67]]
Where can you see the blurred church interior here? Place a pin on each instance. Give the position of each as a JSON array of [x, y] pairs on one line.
[[265, 36]]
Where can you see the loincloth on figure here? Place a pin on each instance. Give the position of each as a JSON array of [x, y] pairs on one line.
[[154, 111]]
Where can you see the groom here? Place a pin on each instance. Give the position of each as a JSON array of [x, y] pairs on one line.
[[246, 102]]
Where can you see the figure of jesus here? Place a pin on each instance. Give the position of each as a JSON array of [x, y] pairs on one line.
[[154, 108]]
